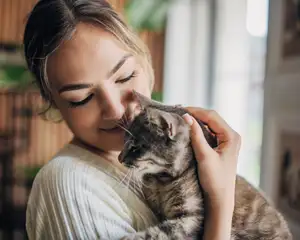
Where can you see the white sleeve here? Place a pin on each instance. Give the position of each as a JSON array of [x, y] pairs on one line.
[[71, 204]]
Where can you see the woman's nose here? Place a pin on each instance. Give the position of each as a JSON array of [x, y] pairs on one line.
[[112, 106]]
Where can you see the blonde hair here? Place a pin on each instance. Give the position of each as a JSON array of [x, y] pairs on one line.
[[52, 21]]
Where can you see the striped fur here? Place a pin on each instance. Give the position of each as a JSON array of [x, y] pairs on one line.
[[159, 151]]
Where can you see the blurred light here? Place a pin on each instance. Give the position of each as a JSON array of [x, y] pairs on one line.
[[257, 17]]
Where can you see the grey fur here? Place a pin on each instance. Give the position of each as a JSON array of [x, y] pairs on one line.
[[160, 152]]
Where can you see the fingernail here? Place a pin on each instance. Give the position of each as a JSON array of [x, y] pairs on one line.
[[188, 119]]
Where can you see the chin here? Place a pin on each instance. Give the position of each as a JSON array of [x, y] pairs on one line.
[[112, 143]]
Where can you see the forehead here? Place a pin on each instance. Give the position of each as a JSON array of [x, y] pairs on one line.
[[90, 52]]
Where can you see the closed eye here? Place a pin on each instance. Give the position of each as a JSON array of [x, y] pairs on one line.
[[123, 80], [82, 102]]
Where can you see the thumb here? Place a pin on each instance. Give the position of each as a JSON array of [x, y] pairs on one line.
[[199, 143]]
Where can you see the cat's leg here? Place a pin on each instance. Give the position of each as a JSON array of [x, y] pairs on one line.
[[177, 229]]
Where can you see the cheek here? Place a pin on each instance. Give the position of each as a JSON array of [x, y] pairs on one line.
[[82, 119]]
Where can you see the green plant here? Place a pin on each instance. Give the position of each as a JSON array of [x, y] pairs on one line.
[[147, 14], [15, 76], [157, 96], [31, 172]]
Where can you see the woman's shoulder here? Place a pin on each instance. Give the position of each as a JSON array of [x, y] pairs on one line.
[[71, 174], [70, 164], [74, 174], [76, 170], [70, 195]]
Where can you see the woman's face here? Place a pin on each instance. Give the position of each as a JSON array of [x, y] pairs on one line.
[[91, 77]]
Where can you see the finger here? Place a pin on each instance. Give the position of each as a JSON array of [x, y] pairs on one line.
[[229, 140], [215, 122], [200, 145]]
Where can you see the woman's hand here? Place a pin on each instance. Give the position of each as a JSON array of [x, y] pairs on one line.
[[217, 170]]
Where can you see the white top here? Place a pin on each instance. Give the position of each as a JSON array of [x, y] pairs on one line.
[[79, 195]]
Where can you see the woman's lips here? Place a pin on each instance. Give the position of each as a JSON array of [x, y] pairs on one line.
[[116, 129], [124, 123]]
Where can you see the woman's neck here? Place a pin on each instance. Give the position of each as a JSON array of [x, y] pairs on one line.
[[111, 156]]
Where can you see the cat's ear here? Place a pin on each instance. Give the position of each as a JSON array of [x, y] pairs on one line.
[[169, 125], [145, 101], [142, 100]]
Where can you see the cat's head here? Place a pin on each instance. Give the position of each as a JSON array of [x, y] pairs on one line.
[[157, 143]]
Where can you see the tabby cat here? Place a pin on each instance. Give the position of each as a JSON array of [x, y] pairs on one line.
[[157, 148]]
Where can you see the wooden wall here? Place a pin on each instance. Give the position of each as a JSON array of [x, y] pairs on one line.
[[13, 15]]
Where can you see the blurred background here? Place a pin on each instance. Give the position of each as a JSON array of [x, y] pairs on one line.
[[238, 57]]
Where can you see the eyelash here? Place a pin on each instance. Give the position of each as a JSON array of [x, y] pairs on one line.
[[88, 98], [84, 101], [133, 74]]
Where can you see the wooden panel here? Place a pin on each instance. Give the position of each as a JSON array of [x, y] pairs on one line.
[[5, 20], [42, 138], [12, 19], [13, 14]]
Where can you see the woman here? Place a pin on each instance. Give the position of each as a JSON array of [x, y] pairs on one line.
[[87, 62]]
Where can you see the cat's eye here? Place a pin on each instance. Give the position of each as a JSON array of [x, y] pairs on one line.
[[82, 102], [136, 148], [163, 174], [126, 79]]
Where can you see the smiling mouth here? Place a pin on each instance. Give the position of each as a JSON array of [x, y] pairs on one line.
[[115, 129], [120, 127], [122, 124]]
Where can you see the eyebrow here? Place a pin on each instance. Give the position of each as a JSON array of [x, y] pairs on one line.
[[72, 87], [119, 64]]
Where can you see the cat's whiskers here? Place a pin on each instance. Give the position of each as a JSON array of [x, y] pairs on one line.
[[126, 130], [138, 186], [124, 178], [145, 140], [127, 142], [121, 122], [129, 181], [142, 184], [126, 122]]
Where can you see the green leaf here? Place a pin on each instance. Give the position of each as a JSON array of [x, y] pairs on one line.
[[30, 172], [15, 76], [13, 73], [147, 14], [157, 96]]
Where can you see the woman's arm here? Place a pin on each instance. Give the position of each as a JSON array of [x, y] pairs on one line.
[[217, 171], [218, 222]]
